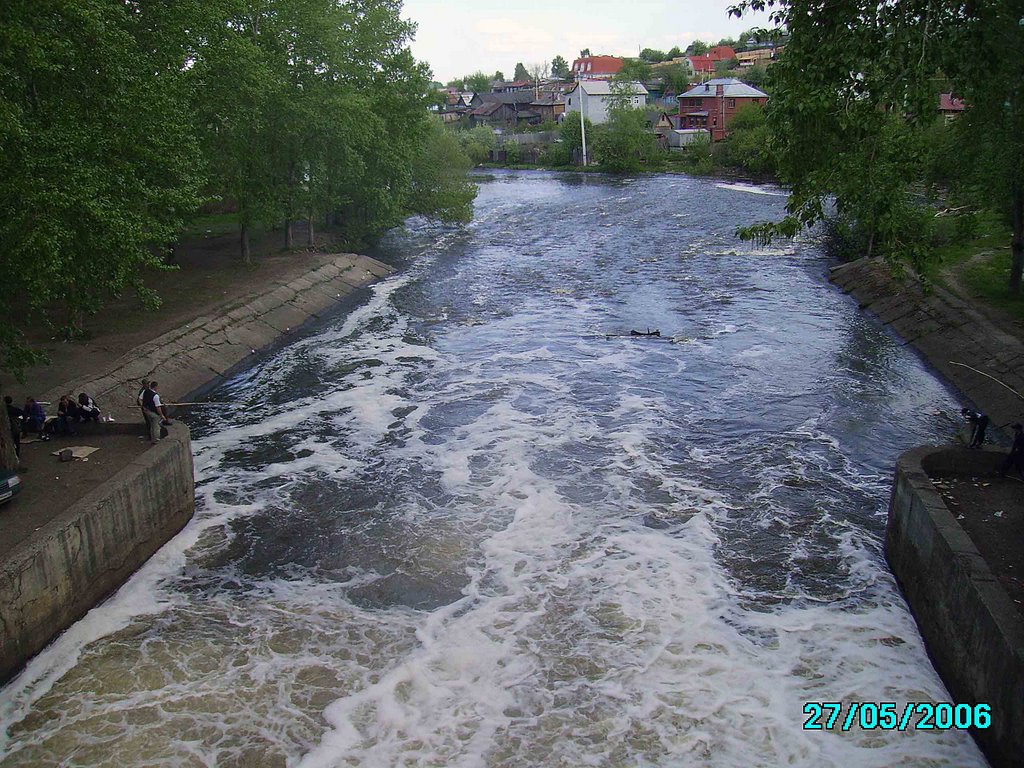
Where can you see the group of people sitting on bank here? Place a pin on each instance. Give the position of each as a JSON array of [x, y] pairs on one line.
[[32, 418]]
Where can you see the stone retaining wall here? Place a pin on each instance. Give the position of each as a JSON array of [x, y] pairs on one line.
[[945, 330], [72, 562], [972, 629], [208, 348], [51, 579]]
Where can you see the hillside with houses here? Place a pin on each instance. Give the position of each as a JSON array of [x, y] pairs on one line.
[[684, 95]]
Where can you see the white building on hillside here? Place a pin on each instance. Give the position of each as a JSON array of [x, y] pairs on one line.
[[593, 97]]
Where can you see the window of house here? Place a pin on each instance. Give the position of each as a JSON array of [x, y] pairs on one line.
[[731, 103]]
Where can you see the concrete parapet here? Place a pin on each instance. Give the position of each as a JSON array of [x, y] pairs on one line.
[[973, 631], [72, 562]]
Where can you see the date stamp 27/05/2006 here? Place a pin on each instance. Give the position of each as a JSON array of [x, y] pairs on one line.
[[889, 716]]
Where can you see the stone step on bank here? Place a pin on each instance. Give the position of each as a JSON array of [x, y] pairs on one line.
[[972, 630], [78, 555]]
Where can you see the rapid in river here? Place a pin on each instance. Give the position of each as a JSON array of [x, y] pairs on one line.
[[474, 522]]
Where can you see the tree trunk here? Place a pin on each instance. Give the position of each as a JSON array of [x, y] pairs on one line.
[[310, 240], [1017, 241], [243, 236], [8, 459], [289, 233]]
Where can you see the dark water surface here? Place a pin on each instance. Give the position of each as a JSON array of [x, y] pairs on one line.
[[464, 527]]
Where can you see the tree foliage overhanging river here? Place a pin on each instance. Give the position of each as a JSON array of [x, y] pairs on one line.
[[463, 527]]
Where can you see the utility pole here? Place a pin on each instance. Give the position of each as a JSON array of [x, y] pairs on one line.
[[583, 127]]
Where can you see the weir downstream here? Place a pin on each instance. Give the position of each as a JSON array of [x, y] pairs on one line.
[[462, 526]]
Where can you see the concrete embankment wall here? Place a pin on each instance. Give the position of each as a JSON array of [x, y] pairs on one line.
[[209, 348], [972, 629], [73, 561], [946, 330], [54, 577]]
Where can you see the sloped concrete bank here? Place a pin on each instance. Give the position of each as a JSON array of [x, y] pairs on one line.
[[210, 348], [972, 629], [945, 330], [79, 555], [51, 579], [974, 632]]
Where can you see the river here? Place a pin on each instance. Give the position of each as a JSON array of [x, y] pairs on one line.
[[476, 523]]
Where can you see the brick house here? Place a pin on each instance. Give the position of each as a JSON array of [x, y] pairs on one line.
[[712, 105]]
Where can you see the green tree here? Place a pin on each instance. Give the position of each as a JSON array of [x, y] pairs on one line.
[[757, 76], [439, 184], [513, 152], [584, 53], [625, 145], [477, 143], [674, 53], [241, 95], [676, 78], [989, 76], [839, 118], [559, 68], [571, 134], [499, 76], [697, 48], [479, 82], [652, 56], [458, 82], [98, 163], [633, 71], [521, 73], [725, 66], [749, 144]]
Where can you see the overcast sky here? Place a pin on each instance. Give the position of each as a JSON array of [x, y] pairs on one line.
[[459, 37]]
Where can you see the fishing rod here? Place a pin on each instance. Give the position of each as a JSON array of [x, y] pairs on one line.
[[988, 376], [206, 402]]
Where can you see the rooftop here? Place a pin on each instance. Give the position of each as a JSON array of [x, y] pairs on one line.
[[731, 87]]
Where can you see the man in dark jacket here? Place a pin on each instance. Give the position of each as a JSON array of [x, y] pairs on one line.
[[1015, 459], [154, 410], [980, 423], [16, 416]]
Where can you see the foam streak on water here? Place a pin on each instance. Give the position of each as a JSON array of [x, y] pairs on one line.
[[475, 523]]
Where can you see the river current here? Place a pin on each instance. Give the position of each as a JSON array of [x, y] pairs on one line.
[[475, 523]]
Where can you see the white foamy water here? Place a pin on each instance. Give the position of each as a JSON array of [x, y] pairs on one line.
[[463, 526], [753, 189]]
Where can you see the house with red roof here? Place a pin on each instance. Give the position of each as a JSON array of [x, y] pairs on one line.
[[705, 63], [950, 106], [596, 67], [713, 105]]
